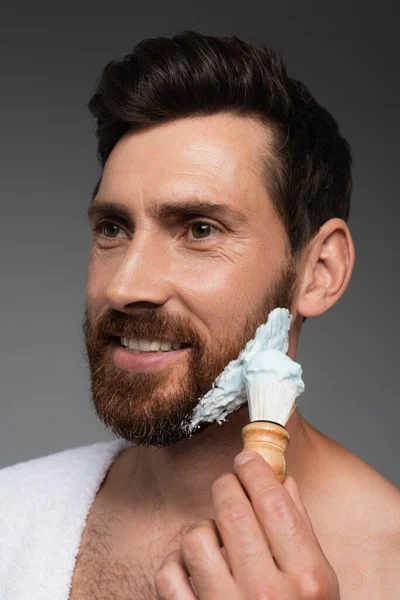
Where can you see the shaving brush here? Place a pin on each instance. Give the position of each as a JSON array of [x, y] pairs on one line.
[[273, 382]]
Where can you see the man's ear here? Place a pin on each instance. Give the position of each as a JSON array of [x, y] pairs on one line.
[[327, 268]]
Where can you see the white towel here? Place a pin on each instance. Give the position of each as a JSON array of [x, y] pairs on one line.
[[44, 503]]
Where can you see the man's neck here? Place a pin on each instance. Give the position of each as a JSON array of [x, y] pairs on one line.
[[179, 477]]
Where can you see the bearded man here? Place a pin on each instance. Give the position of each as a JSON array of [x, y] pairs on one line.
[[224, 193]]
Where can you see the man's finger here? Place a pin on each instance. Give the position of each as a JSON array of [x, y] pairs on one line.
[[244, 540], [172, 579], [204, 560], [295, 549], [291, 485]]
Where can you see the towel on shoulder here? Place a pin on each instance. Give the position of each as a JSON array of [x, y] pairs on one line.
[[44, 503]]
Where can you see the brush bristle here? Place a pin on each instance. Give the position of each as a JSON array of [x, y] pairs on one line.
[[270, 400]]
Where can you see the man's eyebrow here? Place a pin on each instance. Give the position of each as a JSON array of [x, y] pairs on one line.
[[98, 209], [165, 210]]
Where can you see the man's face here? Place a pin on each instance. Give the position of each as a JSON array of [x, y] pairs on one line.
[[173, 268]]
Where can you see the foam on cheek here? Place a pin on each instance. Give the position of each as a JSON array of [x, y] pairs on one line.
[[228, 391]]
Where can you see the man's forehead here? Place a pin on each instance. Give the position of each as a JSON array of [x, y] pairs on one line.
[[204, 160], [221, 150]]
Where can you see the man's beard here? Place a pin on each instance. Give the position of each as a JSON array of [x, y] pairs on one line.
[[148, 408]]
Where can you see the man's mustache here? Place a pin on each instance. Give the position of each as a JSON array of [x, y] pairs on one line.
[[146, 324]]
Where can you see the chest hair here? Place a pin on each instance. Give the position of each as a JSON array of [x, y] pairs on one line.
[[104, 573]]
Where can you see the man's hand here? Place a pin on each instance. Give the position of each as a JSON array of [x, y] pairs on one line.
[[260, 546]]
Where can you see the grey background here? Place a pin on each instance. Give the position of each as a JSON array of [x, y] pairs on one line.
[[51, 57]]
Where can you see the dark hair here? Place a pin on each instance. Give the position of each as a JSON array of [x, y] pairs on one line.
[[308, 172]]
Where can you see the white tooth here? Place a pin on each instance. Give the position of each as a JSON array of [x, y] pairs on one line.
[[176, 346], [124, 341], [133, 344], [165, 346], [136, 351], [144, 345], [154, 345]]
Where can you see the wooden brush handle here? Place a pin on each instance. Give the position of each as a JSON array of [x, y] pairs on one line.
[[270, 440]]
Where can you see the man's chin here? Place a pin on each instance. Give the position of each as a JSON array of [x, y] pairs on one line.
[[147, 423]]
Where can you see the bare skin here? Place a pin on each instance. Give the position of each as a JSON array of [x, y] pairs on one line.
[[151, 496], [131, 530]]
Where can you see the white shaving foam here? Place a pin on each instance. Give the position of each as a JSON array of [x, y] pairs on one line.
[[228, 391]]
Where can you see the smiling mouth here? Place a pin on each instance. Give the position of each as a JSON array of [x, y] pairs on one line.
[[146, 346]]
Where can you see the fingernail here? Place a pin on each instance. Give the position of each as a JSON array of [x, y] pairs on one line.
[[244, 456]]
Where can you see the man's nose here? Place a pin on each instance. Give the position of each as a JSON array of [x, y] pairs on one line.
[[142, 275]]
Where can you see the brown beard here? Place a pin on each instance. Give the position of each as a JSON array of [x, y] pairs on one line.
[[139, 407]]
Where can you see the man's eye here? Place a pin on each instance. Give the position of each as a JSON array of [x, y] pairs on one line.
[[104, 225], [201, 229]]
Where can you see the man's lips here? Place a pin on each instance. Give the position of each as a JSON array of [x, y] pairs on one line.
[[144, 362]]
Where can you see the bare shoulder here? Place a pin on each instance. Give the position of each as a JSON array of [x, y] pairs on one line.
[[361, 539], [370, 570], [358, 498], [380, 560], [388, 567]]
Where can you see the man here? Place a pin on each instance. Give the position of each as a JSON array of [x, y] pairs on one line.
[[225, 192]]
